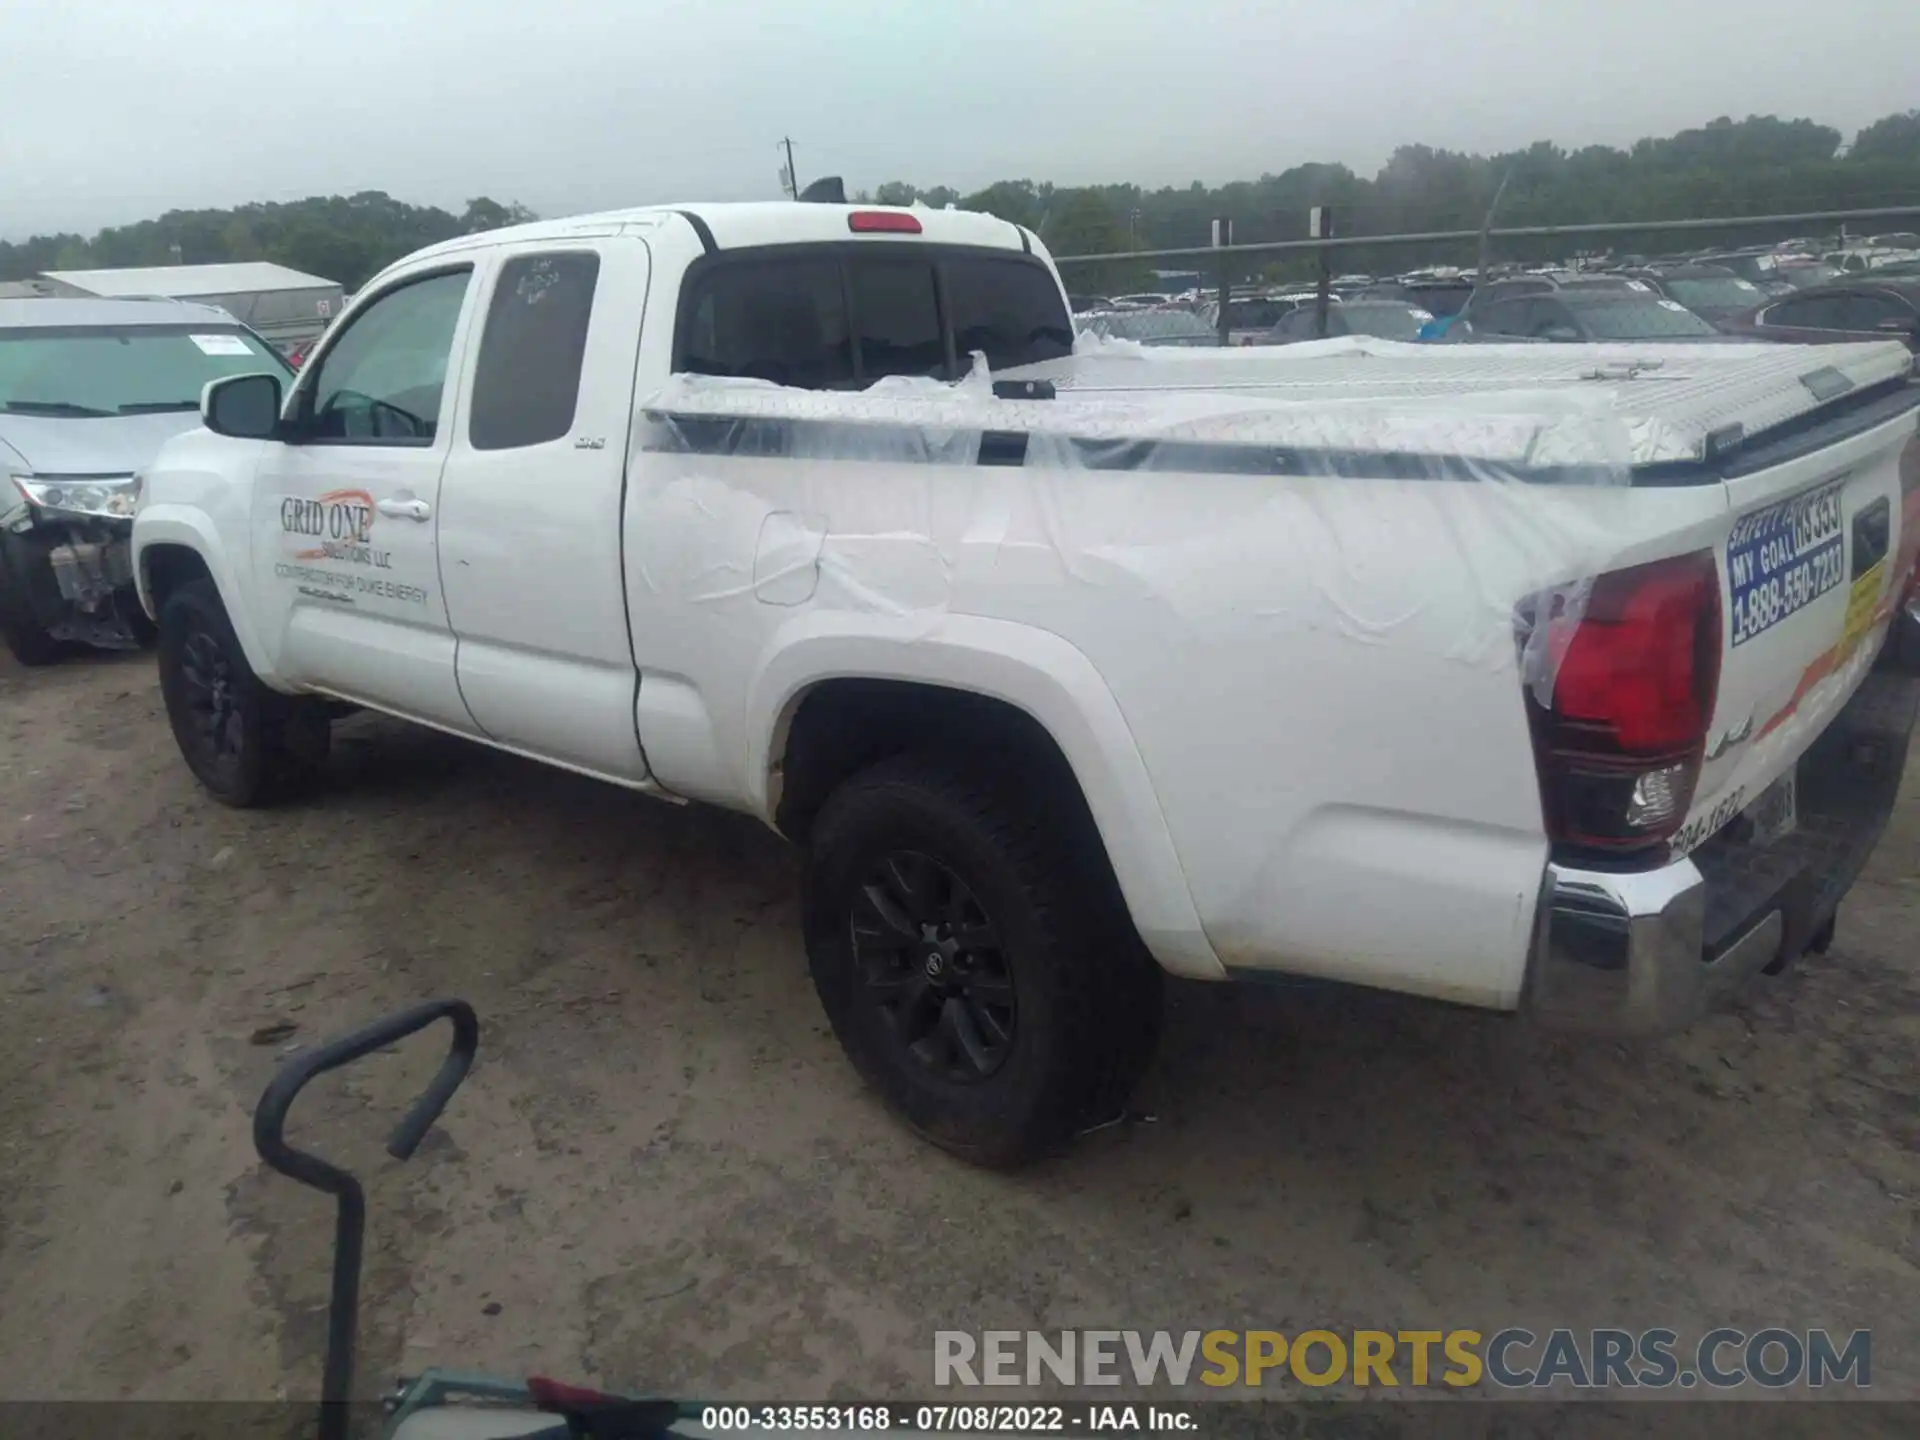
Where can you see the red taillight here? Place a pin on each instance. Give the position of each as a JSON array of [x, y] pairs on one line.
[[892, 222], [1634, 680]]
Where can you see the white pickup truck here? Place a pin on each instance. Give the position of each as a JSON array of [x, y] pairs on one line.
[[1544, 680]]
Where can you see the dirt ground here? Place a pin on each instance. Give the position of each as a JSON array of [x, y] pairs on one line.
[[663, 1175]]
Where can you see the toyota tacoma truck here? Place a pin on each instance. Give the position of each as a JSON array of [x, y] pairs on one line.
[[1571, 681]]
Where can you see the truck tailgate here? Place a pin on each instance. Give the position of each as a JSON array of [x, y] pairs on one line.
[[1819, 545]]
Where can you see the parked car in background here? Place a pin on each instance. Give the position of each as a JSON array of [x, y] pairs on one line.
[[1713, 292], [1145, 300], [1576, 315], [1801, 272], [1547, 283], [1878, 309], [1169, 325], [89, 391], [1251, 317], [1086, 304], [1861, 260], [1899, 240], [1441, 297], [1383, 319]]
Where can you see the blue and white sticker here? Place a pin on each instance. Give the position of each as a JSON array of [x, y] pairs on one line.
[[1783, 558]]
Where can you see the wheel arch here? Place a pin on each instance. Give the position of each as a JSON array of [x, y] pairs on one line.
[[173, 548], [1011, 681]]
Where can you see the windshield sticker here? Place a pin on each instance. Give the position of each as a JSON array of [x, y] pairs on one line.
[[221, 345], [1640, 285], [1673, 305], [1783, 558]]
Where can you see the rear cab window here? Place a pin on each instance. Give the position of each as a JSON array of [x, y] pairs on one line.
[[843, 316], [1009, 310], [778, 317]]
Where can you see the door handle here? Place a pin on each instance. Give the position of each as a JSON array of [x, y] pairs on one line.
[[405, 509]]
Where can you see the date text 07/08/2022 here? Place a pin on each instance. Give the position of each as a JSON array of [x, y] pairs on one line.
[[961, 1419]]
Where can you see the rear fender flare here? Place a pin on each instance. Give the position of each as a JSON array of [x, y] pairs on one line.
[[1038, 672]]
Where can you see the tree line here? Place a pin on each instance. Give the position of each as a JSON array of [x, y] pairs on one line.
[[337, 237], [1759, 165]]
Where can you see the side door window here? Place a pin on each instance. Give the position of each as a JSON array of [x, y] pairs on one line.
[[1867, 311], [1502, 317], [1550, 320], [526, 380], [1297, 324], [382, 381], [1811, 312]]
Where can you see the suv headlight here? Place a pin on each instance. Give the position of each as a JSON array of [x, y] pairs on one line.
[[112, 497]]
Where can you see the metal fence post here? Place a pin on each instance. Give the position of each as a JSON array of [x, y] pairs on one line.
[[1222, 238], [1320, 227]]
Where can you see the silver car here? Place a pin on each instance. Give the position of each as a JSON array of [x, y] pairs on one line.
[[89, 391]]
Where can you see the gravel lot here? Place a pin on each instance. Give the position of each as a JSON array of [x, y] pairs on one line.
[[663, 1174]]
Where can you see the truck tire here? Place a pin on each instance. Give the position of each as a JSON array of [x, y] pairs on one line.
[[247, 744], [26, 637], [970, 973]]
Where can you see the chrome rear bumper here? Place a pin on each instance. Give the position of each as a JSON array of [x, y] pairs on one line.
[[1626, 953], [1652, 950]]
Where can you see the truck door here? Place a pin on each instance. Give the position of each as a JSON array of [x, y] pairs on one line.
[[343, 513], [530, 516]]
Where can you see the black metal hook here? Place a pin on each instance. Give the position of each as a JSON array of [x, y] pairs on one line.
[[269, 1124]]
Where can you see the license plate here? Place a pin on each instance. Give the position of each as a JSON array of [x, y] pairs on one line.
[[1777, 812]]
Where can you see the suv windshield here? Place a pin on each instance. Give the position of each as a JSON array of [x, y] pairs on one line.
[[1611, 315], [1714, 292], [87, 371]]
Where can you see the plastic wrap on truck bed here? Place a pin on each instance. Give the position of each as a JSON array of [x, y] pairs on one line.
[[1674, 400]]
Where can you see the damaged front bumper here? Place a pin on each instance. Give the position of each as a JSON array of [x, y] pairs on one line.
[[72, 576], [1650, 951]]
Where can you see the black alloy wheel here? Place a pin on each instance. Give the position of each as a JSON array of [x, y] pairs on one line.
[[930, 958], [215, 731], [992, 993], [246, 743]]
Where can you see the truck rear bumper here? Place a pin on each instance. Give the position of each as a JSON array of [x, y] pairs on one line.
[[1652, 950]]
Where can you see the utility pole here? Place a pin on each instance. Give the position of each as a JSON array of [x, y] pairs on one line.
[[793, 175], [1486, 232]]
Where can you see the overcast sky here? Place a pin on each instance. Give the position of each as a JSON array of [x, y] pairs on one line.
[[116, 110]]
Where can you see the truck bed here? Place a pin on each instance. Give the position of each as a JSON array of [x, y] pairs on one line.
[[1422, 408], [1670, 398]]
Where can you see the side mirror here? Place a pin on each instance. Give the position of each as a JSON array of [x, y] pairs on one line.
[[242, 407]]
